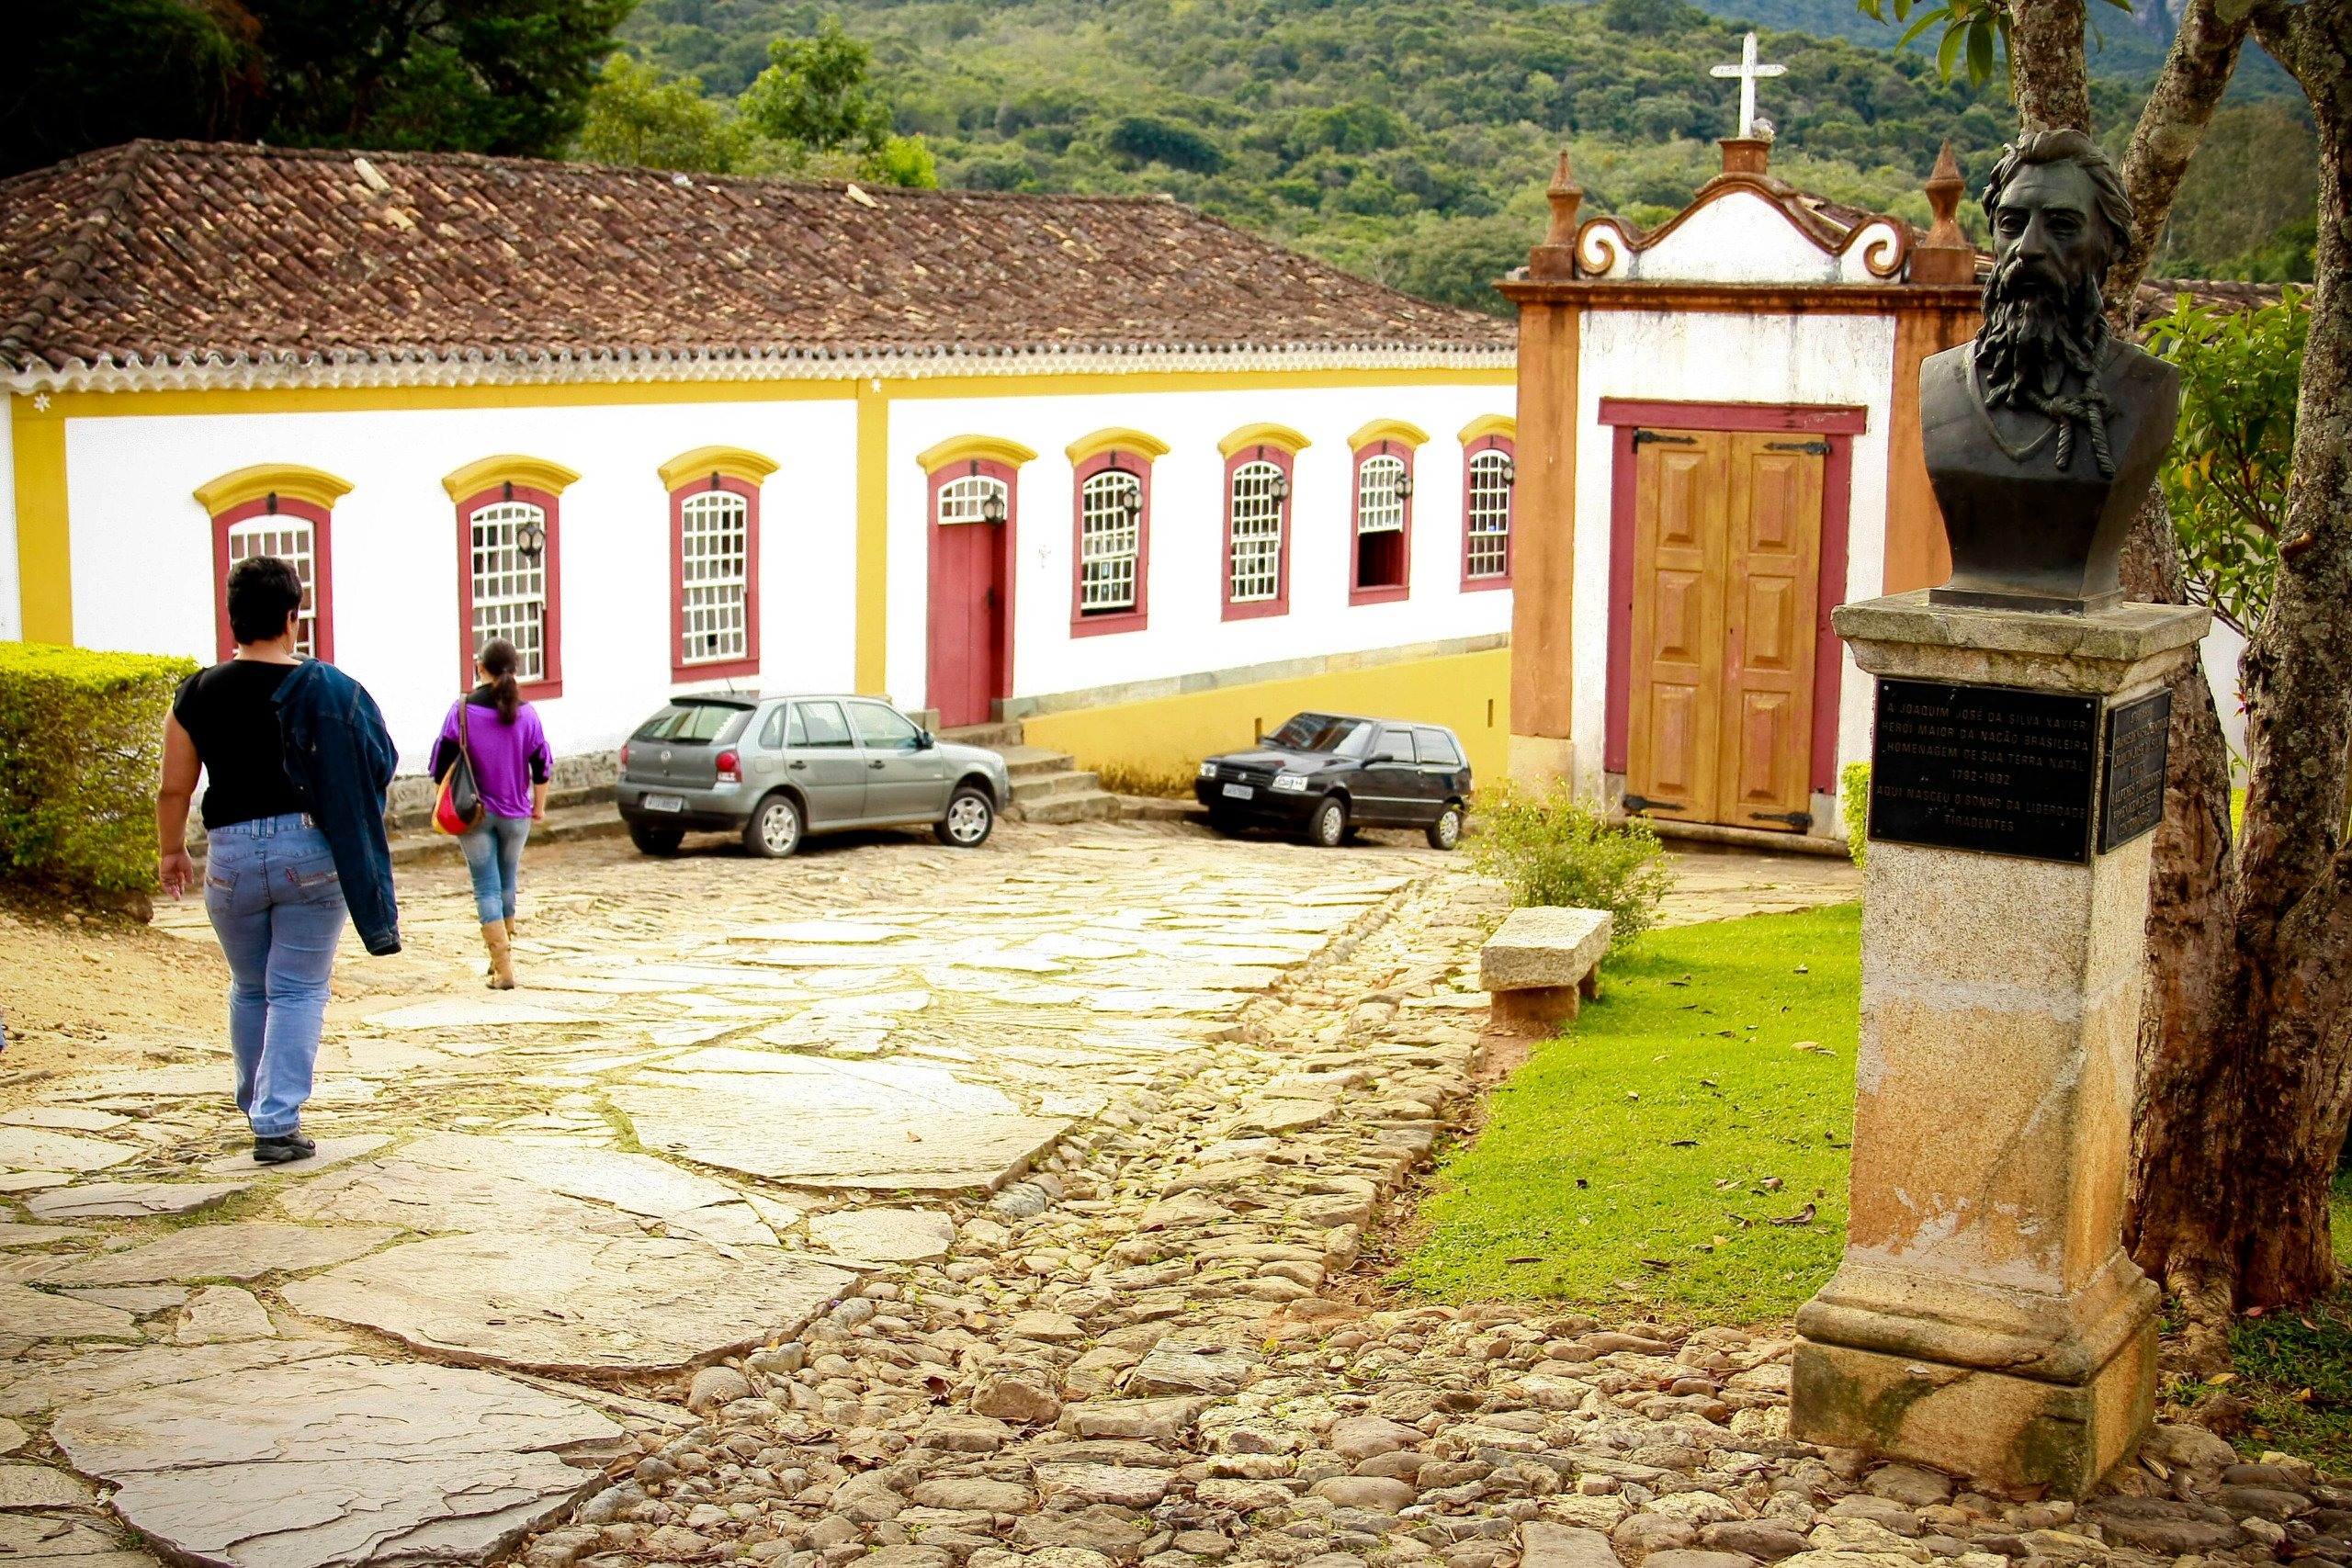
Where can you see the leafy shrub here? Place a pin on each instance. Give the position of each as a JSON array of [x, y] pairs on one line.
[[81, 748], [1550, 848], [1148, 139], [1172, 781], [1854, 782]]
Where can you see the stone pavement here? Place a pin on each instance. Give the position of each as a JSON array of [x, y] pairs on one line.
[[918, 1209]]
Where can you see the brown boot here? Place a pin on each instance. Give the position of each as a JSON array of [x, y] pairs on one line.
[[501, 957]]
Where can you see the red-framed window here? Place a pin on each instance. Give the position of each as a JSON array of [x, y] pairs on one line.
[[510, 581], [1381, 556], [1111, 586], [299, 532], [714, 579], [1489, 482], [1257, 532]]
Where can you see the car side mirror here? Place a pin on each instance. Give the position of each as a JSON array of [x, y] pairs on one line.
[[924, 740]]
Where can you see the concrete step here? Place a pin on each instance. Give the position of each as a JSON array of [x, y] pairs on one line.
[[1087, 805], [564, 825], [1030, 761], [1047, 786], [1161, 808], [995, 737]]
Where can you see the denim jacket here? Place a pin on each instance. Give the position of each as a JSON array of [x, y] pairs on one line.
[[339, 758]]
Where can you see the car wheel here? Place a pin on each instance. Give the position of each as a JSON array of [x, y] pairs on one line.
[[1446, 831], [655, 840], [971, 817], [1328, 826], [774, 830]]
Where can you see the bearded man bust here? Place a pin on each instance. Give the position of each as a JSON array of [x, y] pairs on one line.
[[2043, 435]]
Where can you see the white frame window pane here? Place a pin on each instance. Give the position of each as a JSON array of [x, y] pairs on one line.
[[290, 539], [714, 576], [962, 500], [1380, 504], [1256, 569], [509, 591], [1110, 541], [1489, 513]]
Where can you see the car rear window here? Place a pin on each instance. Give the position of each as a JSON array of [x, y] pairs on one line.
[[1319, 732], [693, 723], [1437, 745]]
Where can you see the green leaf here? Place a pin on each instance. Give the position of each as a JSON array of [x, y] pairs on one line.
[[1954, 36], [1980, 50]]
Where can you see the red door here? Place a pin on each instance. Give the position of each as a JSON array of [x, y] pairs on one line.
[[971, 598]]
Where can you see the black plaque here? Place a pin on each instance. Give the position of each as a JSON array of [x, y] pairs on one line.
[[1987, 768], [2132, 779]]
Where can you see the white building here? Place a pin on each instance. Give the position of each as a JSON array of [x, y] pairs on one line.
[[1106, 466]]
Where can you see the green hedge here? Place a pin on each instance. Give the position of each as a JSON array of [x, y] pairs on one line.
[[81, 750], [1856, 802]]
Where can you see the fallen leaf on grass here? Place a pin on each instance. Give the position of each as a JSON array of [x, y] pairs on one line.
[[1802, 1218], [1523, 1260], [1814, 1045], [1659, 1264], [1683, 1144], [2217, 1379], [1770, 1184], [1739, 1220], [1803, 970]]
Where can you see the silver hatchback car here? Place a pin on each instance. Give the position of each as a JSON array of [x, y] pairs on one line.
[[775, 768]]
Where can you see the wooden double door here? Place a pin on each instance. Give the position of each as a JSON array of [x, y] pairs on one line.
[[1726, 592]]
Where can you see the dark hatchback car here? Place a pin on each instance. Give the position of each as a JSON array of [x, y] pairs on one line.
[[1323, 773]]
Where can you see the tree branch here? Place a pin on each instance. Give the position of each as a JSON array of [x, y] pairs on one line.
[[2179, 110], [2046, 74]]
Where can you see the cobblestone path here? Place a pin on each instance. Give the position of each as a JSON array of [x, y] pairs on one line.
[[903, 1207]]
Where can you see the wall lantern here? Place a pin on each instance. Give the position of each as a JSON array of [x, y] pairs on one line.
[[993, 507], [531, 541], [1511, 472], [1404, 486], [1281, 488]]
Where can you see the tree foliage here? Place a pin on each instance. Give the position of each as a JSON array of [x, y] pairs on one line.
[[2226, 473], [636, 115], [815, 94], [510, 76]]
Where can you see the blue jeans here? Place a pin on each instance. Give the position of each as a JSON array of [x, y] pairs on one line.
[[493, 848], [277, 904]]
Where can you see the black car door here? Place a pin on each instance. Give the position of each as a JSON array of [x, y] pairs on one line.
[[1443, 773], [1389, 788]]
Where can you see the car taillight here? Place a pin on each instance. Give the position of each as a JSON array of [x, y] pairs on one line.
[[623, 753], [730, 768]]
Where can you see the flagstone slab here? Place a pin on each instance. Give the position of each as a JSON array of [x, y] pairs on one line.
[[220, 1313], [572, 1302], [101, 1370], [61, 1118], [33, 1180], [835, 1131], [38, 1486], [336, 1462], [36, 1148], [244, 1250], [468, 1012], [28, 1314], [331, 1152], [59, 1542], [884, 1236], [118, 1200]]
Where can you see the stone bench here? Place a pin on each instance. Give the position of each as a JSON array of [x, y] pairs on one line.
[[1538, 967]]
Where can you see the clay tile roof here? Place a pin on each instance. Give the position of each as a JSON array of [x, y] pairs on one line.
[[163, 254], [2156, 295]]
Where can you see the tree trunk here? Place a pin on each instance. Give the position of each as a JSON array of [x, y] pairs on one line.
[[2047, 79], [2247, 1088], [2179, 107]]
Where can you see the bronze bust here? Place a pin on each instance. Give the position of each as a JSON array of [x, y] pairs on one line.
[[2044, 434]]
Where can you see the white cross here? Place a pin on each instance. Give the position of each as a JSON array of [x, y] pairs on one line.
[[1748, 71]]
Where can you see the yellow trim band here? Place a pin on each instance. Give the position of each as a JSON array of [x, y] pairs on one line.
[[1487, 424], [293, 481], [1115, 438], [536, 472], [1388, 430], [1280, 435], [969, 449], [871, 665], [44, 526], [734, 462]]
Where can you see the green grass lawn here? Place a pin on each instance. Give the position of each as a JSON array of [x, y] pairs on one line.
[[1639, 1158]]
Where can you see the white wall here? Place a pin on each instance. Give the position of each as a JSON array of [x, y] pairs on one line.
[[143, 549], [1187, 632], [12, 608], [1695, 357]]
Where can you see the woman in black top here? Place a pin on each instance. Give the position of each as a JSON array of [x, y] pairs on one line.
[[270, 885]]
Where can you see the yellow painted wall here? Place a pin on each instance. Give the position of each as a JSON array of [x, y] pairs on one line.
[[1468, 692]]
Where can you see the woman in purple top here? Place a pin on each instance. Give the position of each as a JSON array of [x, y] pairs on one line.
[[509, 754]]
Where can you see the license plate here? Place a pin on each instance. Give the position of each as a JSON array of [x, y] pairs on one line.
[[665, 803], [1238, 791]]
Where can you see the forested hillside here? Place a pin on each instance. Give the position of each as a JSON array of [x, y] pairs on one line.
[[1406, 140]]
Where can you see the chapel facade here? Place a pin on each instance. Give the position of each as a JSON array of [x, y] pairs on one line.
[[1105, 466]]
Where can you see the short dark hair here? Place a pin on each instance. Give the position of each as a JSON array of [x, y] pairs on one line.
[[2068, 146], [263, 591]]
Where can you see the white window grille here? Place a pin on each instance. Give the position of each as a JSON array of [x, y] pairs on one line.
[[290, 540], [1489, 513], [1110, 528], [510, 589], [1257, 564], [1380, 499], [966, 499], [714, 557]]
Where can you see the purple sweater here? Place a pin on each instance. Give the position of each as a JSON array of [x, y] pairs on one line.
[[508, 759]]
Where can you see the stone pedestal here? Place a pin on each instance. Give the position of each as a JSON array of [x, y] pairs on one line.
[[1985, 1320]]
